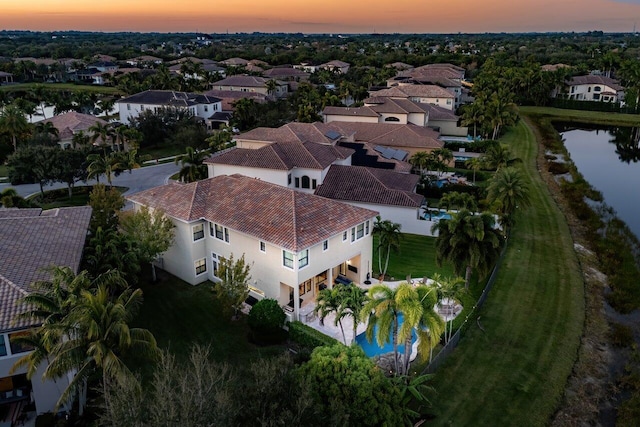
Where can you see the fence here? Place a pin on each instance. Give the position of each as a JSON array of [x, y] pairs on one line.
[[455, 338]]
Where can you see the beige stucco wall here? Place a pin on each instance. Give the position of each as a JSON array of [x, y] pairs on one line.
[[402, 118], [407, 217], [418, 119], [250, 144], [449, 128], [447, 103], [328, 118]]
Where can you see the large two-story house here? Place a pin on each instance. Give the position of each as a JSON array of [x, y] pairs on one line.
[[199, 105], [595, 88], [426, 94], [296, 243], [252, 84], [30, 241]]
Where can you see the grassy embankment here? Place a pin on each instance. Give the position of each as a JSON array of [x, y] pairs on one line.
[[514, 372], [579, 116]]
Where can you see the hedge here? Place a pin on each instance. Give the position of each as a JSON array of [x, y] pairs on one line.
[[306, 336]]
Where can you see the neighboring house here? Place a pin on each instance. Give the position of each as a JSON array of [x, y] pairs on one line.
[[595, 88], [295, 243], [293, 164], [104, 66], [445, 122], [380, 110], [388, 192], [210, 69], [400, 66], [235, 62], [409, 138], [447, 76], [251, 84], [337, 66], [72, 123], [5, 78], [426, 94], [202, 106], [144, 61], [30, 241], [286, 74]]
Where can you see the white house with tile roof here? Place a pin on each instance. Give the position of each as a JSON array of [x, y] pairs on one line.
[[595, 88], [426, 94], [199, 105], [31, 240], [296, 243]]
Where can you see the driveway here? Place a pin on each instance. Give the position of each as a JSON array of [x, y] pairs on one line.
[[138, 180]]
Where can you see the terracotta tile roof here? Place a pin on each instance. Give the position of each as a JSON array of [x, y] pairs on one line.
[[369, 185], [398, 165], [244, 81], [400, 65], [283, 156], [595, 80], [407, 91], [287, 218], [235, 61], [285, 72], [554, 67], [32, 239], [73, 122], [392, 105], [392, 135], [440, 113], [348, 111], [291, 132]]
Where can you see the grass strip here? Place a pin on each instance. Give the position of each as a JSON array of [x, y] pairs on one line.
[[515, 371]]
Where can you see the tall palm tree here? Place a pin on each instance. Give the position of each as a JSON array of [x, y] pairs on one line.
[[329, 301], [421, 161], [451, 289], [389, 237], [473, 114], [272, 85], [47, 128], [475, 164], [98, 165], [500, 111], [469, 242], [508, 191], [101, 132], [352, 300], [456, 200], [499, 156], [14, 123], [193, 168], [98, 339]]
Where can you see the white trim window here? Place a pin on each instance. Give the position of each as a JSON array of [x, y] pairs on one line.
[[220, 232], [287, 259], [201, 266], [215, 263], [263, 247], [303, 258], [198, 232], [325, 246], [357, 232], [345, 235]]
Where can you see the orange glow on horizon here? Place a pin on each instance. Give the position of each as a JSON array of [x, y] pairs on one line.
[[315, 16]]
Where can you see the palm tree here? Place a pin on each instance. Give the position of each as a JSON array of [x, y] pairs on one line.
[[451, 289], [220, 139], [467, 241], [14, 123], [352, 300], [102, 132], [456, 200], [98, 165], [126, 160], [498, 156], [272, 85], [382, 310], [329, 301], [421, 161], [500, 111], [99, 337], [475, 164], [389, 237], [47, 128], [507, 191], [473, 114], [193, 168]]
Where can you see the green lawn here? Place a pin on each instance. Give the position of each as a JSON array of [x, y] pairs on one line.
[[180, 315], [160, 152], [416, 257], [61, 87], [514, 372], [584, 116]]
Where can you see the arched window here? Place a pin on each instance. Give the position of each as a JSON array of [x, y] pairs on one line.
[[597, 89], [306, 182], [392, 119]]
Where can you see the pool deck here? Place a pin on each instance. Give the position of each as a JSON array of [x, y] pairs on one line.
[[448, 310]]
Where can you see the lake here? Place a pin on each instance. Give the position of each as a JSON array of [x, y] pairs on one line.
[[609, 159]]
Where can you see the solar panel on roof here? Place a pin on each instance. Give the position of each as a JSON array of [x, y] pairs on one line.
[[384, 151], [400, 155], [332, 134]]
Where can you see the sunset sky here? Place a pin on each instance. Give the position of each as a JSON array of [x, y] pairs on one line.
[[315, 16]]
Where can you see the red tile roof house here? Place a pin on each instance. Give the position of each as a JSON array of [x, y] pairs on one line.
[[426, 94], [72, 123], [296, 243], [30, 240]]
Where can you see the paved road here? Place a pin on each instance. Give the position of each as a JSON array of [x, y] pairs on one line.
[[138, 180]]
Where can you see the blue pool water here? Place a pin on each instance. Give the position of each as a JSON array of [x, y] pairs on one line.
[[437, 216], [372, 349]]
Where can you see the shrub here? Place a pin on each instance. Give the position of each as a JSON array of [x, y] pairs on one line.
[[558, 168], [306, 336], [266, 320]]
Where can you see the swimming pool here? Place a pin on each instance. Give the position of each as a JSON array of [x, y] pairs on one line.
[[372, 348], [437, 216]]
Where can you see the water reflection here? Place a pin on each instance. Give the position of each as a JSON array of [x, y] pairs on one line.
[[627, 141]]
